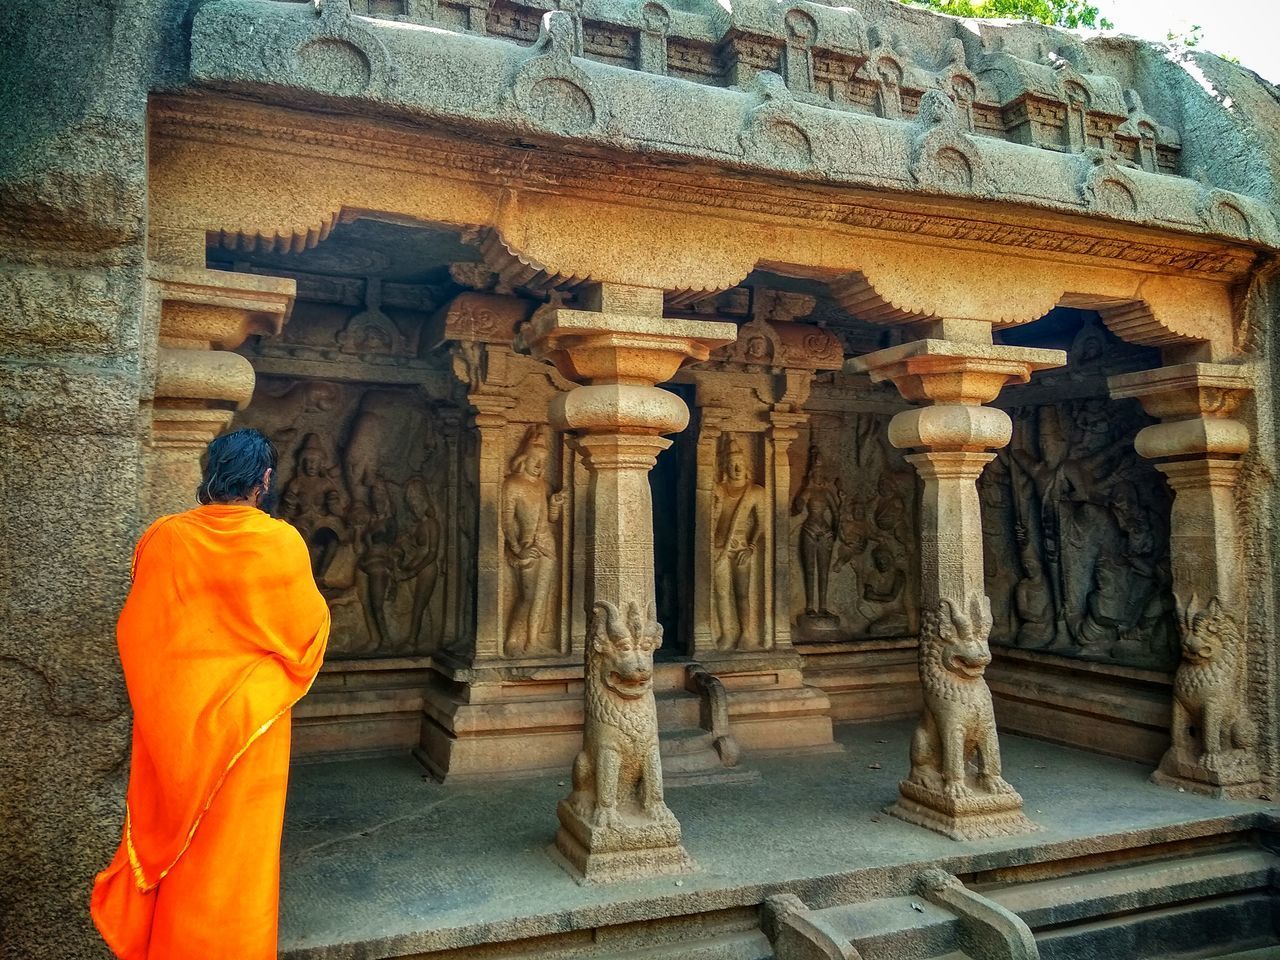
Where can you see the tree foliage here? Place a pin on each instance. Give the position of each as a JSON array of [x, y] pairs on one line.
[[1057, 13]]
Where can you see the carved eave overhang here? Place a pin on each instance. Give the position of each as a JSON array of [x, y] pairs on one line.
[[290, 54]]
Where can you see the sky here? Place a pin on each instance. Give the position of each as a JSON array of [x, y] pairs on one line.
[[1248, 30]]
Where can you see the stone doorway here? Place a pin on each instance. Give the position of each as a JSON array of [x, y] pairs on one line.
[[672, 482]]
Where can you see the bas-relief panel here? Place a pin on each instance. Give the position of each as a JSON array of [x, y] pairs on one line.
[[365, 474], [1076, 524], [534, 531], [740, 520], [371, 465], [853, 530]]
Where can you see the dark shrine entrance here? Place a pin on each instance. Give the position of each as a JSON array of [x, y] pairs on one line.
[[672, 485]]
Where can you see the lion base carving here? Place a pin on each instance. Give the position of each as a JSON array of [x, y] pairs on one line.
[[615, 824], [1211, 732], [1234, 777], [631, 849], [961, 818], [955, 786]]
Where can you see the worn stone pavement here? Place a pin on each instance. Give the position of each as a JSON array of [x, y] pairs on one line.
[[374, 850]]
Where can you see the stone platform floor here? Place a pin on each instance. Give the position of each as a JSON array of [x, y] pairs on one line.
[[380, 860]]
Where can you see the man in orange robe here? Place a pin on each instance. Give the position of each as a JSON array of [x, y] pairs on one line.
[[222, 633]]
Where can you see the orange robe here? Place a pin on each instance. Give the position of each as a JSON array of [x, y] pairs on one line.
[[222, 633]]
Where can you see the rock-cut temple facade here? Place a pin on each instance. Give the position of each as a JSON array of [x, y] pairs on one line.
[[676, 399]]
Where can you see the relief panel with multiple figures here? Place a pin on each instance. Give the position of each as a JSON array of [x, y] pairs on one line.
[[1075, 523], [366, 474], [854, 531]]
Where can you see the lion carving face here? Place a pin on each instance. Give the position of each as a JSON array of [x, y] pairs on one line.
[[963, 637], [1203, 631], [622, 643]]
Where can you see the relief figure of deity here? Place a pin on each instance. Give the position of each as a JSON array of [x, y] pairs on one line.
[[738, 516], [376, 531], [883, 587], [420, 554], [315, 502], [818, 502], [1033, 601], [529, 512]]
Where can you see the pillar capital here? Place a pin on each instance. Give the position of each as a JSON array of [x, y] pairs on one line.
[[217, 309], [1196, 404], [591, 347], [954, 372], [199, 384], [1186, 390]]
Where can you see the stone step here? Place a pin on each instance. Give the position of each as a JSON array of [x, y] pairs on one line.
[[1140, 886], [1202, 904], [1211, 928], [747, 945], [677, 708], [894, 928]]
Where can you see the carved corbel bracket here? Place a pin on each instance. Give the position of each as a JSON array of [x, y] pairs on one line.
[[1196, 404], [217, 309], [479, 318], [949, 372]]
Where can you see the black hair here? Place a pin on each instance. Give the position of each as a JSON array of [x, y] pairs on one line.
[[234, 465]]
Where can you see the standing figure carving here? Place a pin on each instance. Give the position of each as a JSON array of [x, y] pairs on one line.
[[420, 555], [315, 502], [1212, 732], [818, 502], [529, 511], [376, 531], [738, 516]]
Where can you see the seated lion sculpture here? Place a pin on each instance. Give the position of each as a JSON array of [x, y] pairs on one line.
[[1210, 725], [958, 723], [617, 776]]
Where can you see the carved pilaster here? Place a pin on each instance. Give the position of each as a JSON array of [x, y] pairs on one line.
[[1198, 445], [199, 383], [614, 824], [953, 434]]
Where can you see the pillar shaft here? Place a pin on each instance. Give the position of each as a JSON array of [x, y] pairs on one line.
[[615, 824], [950, 524], [1197, 446], [957, 733]]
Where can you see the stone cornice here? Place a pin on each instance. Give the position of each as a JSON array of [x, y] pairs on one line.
[[287, 53], [725, 194]]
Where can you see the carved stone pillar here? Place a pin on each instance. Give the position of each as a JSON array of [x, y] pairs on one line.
[[955, 785], [615, 824], [1198, 445], [511, 700], [199, 384], [750, 400]]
